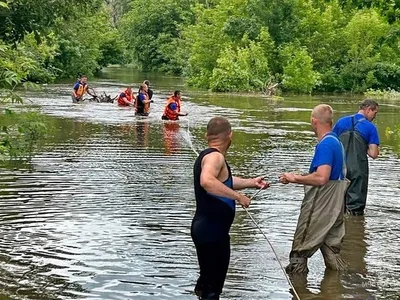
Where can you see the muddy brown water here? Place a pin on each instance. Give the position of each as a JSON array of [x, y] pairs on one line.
[[104, 210]]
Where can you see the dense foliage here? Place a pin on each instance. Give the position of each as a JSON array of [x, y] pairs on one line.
[[305, 45], [41, 41]]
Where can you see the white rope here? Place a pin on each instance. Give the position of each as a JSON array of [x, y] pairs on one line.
[[254, 221]]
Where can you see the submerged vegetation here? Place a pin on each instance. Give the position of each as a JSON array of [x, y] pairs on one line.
[[385, 94]]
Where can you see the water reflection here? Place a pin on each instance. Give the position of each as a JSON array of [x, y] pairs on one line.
[[171, 137], [349, 284], [141, 133], [110, 202]]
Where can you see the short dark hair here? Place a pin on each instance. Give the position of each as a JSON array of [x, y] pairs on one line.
[[82, 76], [369, 103], [176, 93], [217, 126], [146, 82]]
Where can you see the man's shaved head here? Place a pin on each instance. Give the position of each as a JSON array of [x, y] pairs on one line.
[[323, 113], [218, 127]]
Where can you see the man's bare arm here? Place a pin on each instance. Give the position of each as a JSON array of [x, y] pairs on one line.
[[319, 177], [373, 151], [212, 166]]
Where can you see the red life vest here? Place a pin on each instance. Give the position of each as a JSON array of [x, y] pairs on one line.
[[128, 96], [169, 113]]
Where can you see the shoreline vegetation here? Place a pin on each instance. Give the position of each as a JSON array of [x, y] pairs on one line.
[[302, 46], [230, 46]]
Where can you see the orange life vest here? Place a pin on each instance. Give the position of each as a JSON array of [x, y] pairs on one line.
[[169, 113], [128, 96], [82, 89]]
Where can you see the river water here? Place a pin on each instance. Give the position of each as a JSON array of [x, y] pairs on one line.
[[104, 210]]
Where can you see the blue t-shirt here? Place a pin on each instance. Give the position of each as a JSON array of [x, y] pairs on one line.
[[141, 97], [365, 127], [76, 86], [122, 95], [173, 106], [329, 151]]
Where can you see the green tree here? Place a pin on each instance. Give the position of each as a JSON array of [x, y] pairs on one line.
[[152, 30], [298, 73]]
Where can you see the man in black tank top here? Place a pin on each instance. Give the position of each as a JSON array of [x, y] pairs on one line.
[[216, 197]]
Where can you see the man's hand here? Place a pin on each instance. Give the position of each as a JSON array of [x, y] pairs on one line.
[[286, 178], [244, 200], [260, 183]]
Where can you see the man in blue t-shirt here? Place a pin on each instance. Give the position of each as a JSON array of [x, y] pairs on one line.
[[360, 138], [324, 186]]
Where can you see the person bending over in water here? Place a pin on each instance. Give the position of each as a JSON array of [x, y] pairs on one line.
[[172, 110], [126, 98], [215, 190]]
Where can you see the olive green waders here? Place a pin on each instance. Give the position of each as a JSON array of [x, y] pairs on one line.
[[357, 169], [320, 225]]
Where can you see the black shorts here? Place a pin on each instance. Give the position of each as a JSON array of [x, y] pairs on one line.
[[213, 260]]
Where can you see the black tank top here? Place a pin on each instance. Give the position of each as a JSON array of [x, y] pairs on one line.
[[214, 214]]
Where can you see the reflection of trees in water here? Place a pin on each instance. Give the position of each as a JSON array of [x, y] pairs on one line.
[[349, 284]]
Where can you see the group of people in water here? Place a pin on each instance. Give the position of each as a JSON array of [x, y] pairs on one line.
[[141, 101], [336, 184]]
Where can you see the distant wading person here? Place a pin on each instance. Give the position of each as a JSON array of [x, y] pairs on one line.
[[126, 98], [172, 110], [142, 104], [321, 221], [80, 89], [149, 91], [215, 208], [360, 138]]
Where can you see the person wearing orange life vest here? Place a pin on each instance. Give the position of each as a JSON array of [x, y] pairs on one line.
[[126, 98], [172, 110], [80, 89], [142, 103]]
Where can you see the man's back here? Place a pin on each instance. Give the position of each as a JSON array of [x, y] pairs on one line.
[[362, 125]]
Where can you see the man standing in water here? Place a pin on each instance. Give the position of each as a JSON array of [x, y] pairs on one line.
[[321, 221], [215, 208], [360, 138]]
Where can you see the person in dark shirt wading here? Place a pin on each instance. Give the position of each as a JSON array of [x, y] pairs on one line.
[[215, 208]]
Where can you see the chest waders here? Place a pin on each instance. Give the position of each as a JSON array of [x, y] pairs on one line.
[[357, 169], [320, 225]]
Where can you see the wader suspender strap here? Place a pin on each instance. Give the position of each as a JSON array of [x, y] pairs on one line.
[[344, 168]]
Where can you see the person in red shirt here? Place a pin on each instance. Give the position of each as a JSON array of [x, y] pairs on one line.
[[126, 98]]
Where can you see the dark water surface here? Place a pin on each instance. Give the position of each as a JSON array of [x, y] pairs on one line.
[[104, 211]]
